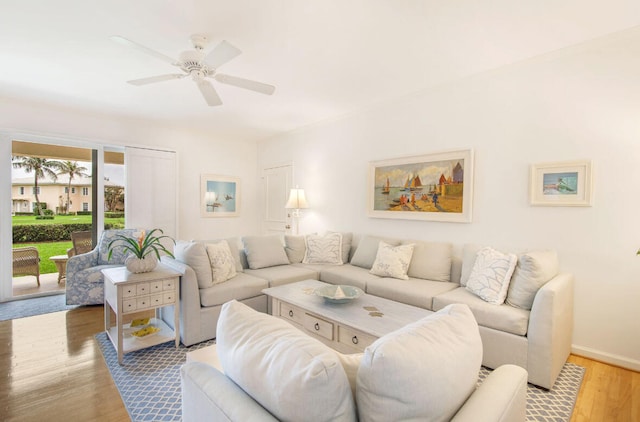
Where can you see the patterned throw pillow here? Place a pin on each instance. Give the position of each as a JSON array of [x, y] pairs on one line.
[[392, 261], [491, 275], [325, 249], [223, 266]]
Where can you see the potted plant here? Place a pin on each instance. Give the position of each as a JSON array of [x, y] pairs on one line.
[[144, 250]]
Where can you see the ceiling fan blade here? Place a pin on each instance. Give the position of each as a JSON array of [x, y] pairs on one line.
[[209, 93], [154, 79], [221, 54], [245, 83], [133, 44]]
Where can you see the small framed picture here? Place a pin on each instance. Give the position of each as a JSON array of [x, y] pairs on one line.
[[219, 196], [561, 184]]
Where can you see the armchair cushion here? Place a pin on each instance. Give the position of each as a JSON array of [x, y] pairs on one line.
[[423, 371], [292, 375], [119, 254]]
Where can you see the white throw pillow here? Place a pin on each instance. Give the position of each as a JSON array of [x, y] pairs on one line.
[[392, 261], [264, 251], [491, 275], [194, 254], [223, 266], [293, 376], [533, 271], [325, 249], [347, 240], [424, 371]]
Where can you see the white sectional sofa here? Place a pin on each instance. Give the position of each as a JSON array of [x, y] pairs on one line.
[[537, 339], [267, 370]]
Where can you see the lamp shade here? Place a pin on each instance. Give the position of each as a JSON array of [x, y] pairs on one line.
[[297, 199]]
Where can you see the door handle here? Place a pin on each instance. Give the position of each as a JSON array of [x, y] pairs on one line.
[[288, 226]]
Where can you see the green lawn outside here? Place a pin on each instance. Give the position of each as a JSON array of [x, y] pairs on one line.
[[20, 220], [47, 250]]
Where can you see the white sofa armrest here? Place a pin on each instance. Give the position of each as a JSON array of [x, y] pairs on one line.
[[208, 395], [550, 330], [502, 397], [190, 317]]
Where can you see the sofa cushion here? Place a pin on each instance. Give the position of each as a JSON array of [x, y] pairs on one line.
[[414, 291], [283, 274], [264, 251], [499, 317], [392, 261], [423, 371], [491, 275], [194, 254], [431, 261], [295, 248], [241, 287], [348, 274], [325, 249], [469, 253], [292, 375], [367, 249], [533, 271], [223, 266]]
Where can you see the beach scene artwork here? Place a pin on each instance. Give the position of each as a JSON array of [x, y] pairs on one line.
[[420, 187], [560, 183], [220, 196]]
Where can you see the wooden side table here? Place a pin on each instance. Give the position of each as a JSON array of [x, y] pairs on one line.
[[126, 293], [61, 266]]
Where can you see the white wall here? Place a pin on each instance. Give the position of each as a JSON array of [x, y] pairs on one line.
[[197, 154], [579, 103]]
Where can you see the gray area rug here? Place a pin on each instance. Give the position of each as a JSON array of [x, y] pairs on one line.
[[35, 306], [149, 383]]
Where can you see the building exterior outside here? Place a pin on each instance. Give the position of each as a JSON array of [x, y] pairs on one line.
[[53, 195]]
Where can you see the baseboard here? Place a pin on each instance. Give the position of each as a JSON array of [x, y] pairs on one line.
[[609, 358]]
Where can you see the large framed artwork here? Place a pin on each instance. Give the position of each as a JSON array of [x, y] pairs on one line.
[[434, 187], [565, 184], [219, 196]]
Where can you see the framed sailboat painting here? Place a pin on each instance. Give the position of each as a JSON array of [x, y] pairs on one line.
[[433, 187]]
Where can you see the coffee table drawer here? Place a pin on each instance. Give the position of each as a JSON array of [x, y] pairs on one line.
[[354, 338], [318, 326], [291, 313]]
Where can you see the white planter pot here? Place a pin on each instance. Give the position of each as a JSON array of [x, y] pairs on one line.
[[144, 265]]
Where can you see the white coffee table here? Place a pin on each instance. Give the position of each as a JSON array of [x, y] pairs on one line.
[[347, 327]]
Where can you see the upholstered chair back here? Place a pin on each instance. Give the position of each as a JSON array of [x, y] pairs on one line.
[[119, 254]]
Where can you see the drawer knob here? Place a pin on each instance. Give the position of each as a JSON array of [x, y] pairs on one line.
[[317, 327], [290, 313], [354, 339]]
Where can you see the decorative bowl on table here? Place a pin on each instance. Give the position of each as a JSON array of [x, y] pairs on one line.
[[338, 293]]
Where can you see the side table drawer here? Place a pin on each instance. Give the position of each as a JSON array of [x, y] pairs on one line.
[[129, 291], [291, 313], [156, 300], [129, 305], [169, 284], [354, 338], [318, 326], [142, 302], [155, 287], [169, 297], [142, 289]]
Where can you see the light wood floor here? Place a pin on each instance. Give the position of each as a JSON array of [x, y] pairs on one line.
[[52, 370]]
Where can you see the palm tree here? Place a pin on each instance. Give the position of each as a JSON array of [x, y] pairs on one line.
[[72, 169], [40, 167]]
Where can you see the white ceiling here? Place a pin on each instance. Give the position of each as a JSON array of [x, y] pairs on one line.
[[327, 58]]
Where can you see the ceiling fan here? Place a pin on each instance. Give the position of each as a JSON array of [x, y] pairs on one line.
[[199, 66]]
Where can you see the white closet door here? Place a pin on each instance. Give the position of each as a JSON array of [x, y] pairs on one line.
[[150, 193]]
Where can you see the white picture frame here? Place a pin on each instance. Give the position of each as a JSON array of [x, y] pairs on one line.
[[219, 196], [446, 177], [561, 184]]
